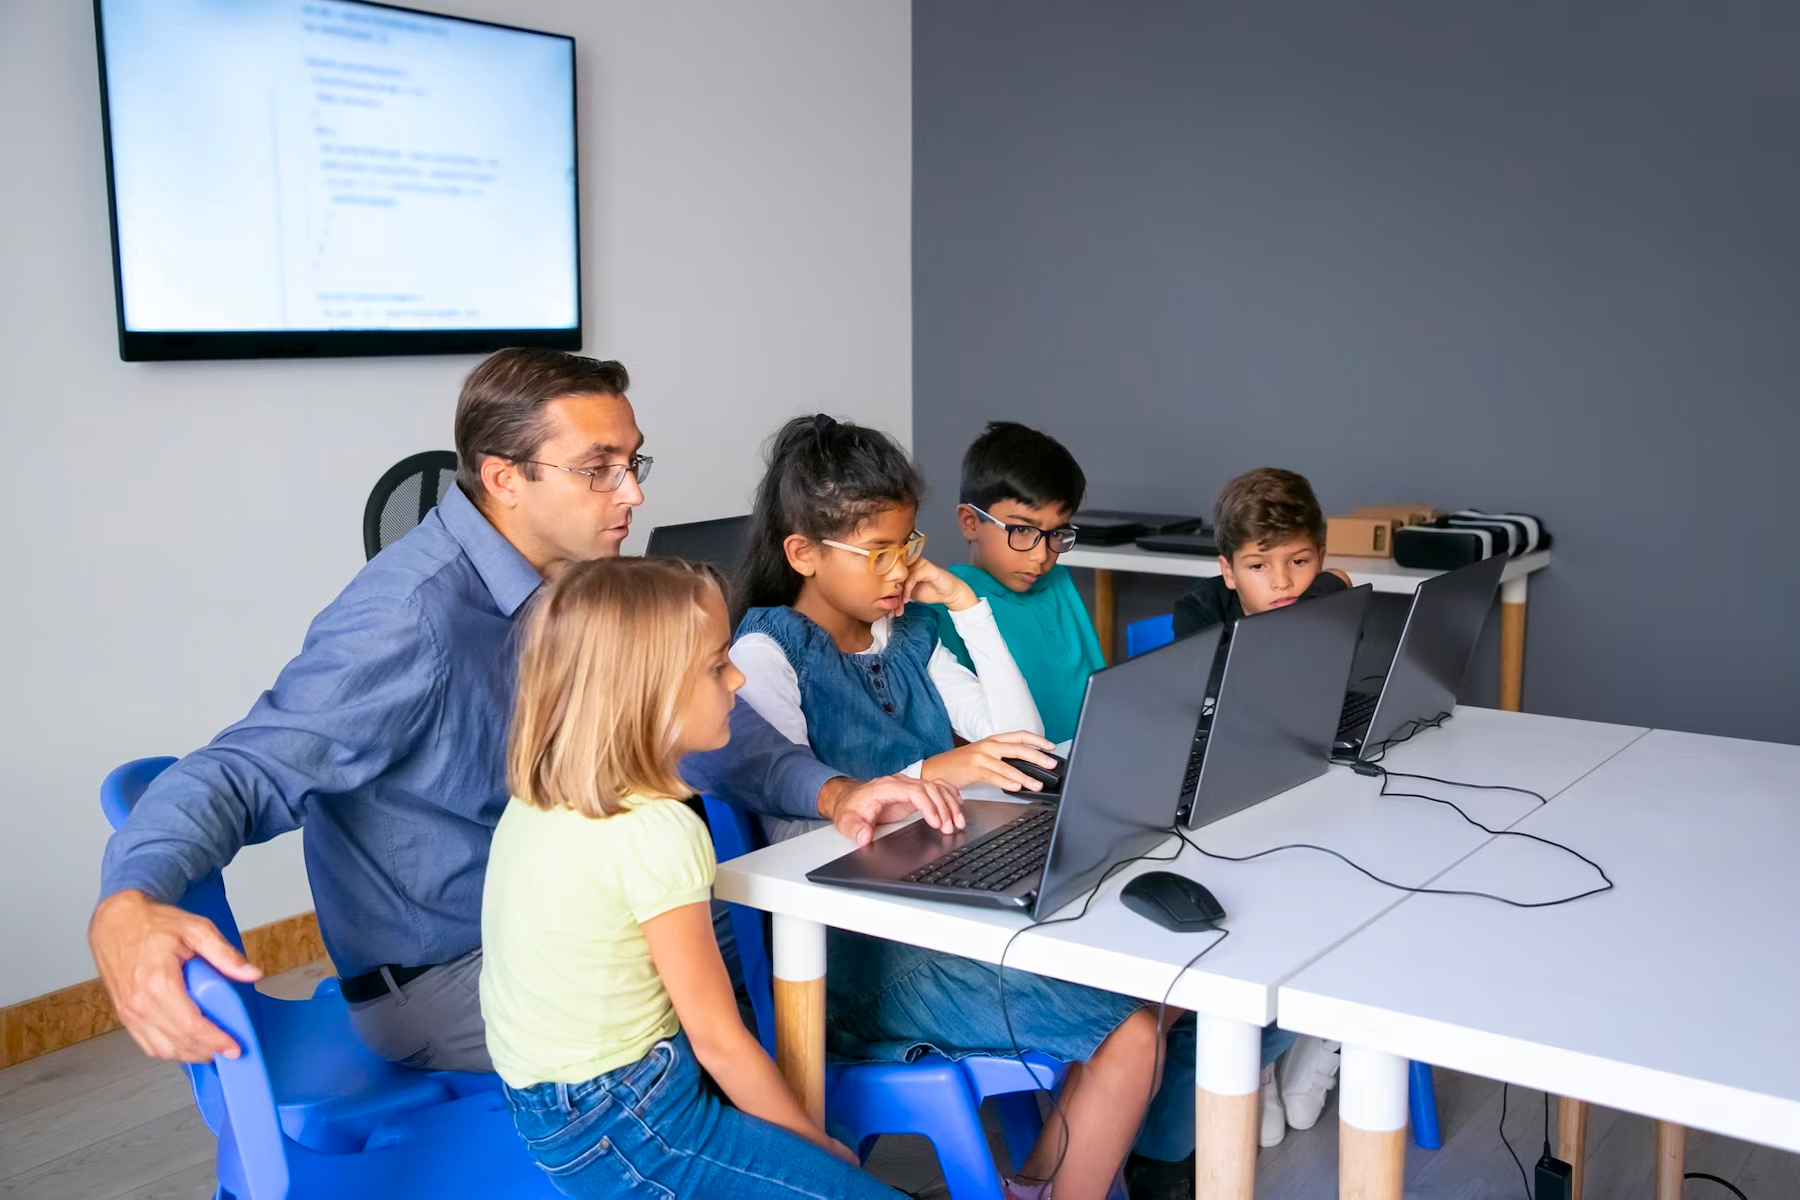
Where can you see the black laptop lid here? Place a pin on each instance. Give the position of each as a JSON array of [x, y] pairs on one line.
[[1126, 765], [1435, 648], [719, 542], [1279, 702]]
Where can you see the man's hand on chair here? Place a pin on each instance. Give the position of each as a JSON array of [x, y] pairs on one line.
[[140, 947]]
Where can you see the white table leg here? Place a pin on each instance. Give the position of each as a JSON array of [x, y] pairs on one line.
[[1512, 643], [1371, 1125], [1228, 1074], [799, 970]]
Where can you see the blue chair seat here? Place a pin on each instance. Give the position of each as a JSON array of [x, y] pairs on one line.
[[330, 1090], [462, 1148]]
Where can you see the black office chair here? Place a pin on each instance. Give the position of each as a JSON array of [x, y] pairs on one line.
[[402, 497]]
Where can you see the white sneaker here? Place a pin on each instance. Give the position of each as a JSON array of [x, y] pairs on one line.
[[1274, 1119], [1306, 1073]]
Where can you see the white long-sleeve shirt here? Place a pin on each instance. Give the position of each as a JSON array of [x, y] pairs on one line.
[[991, 699]]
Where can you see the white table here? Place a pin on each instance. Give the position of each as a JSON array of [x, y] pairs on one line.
[[1672, 996], [1379, 573], [1285, 910]]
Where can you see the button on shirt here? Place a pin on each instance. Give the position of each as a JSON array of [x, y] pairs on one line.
[[385, 739]]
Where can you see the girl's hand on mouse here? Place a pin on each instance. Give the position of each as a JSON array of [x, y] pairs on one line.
[[929, 583], [981, 762]]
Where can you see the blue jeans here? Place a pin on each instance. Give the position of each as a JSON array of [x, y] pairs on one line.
[[658, 1129], [891, 1002]]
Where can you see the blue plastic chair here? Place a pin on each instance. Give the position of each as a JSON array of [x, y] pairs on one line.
[[1421, 1098], [934, 1097], [464, 1148], [330, 1090], [1148, 634]]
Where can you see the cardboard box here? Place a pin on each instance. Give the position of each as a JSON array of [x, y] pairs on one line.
[[1406, 514], [1364, 537]]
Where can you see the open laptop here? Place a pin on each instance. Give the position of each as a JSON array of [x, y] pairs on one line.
[[1432, 657], [1277, 707], [1130, 747], [719, 543]]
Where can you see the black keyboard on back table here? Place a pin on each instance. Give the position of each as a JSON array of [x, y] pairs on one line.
[[993, 865], [1358, 708]]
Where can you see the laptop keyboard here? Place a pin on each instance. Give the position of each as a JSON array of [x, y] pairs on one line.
[[1012, 853], [1358, 708]]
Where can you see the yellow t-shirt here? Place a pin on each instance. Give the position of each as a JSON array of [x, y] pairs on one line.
[[568, 988]]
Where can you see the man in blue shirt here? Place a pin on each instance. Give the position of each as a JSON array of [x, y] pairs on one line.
[[385, 739]]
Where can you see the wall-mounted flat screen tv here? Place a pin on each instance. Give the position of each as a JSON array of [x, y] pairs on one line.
[[329, 177]]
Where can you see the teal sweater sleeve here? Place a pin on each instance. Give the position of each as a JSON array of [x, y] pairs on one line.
[[1050, 635]]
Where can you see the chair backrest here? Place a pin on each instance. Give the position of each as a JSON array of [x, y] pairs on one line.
[[1149, 633], [252, 1153], [410, 489], [119, 794], [120, 790], [734, 833]]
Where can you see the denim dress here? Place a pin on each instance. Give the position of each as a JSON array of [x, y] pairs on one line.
[[866, 714]]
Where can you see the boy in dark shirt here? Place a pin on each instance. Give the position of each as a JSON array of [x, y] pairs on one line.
[[1271, 535]]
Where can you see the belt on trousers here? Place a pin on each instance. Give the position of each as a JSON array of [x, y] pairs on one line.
[[372, 985]]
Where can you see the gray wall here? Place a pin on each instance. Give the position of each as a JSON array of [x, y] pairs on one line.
[[1527, 255]]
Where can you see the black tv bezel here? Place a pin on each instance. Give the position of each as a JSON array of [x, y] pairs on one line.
[[201, 344]]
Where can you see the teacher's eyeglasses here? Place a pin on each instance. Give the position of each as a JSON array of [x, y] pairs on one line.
[[888, 557], [1026, 537], [608, 478]]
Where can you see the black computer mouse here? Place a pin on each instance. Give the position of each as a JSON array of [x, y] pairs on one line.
[[1173, 901], [1051, 777]]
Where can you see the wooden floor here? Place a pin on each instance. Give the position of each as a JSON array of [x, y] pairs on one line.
[[99, 1121]]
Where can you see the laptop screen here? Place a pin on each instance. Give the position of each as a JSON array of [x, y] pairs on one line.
[[1126, 765]]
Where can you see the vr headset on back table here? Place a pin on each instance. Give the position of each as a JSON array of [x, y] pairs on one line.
[[1468, 536]]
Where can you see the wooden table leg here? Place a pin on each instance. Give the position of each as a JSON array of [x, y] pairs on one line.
[[1371, 1125], [1512, 643], [1103, 611], [1571, 1139], [800, 1010], [1228, 1074], [1671, 1159]]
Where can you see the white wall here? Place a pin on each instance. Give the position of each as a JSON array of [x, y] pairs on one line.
[[169, 529]]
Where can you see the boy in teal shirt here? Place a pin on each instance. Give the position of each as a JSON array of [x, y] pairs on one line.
[[1019, 490]]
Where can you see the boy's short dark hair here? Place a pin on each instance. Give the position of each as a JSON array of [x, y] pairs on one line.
[[1266, 507], [1010, 461]]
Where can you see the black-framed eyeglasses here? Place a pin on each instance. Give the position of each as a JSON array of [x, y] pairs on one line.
[[1026, 537], [606, 478]]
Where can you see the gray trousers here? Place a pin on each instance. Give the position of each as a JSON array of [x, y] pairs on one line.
[[433, 1023]]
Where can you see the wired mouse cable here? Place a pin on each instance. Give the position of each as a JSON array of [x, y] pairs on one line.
[[1006, 1015]]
